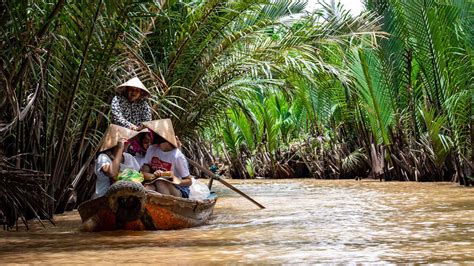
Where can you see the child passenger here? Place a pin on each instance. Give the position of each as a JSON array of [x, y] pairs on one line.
[[144, 140], [112, 159], [130, 106], [164, 159]]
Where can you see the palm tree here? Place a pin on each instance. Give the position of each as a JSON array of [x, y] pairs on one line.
[[54, 66], [428, 59]]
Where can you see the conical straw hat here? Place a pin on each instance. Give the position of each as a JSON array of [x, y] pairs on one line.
[[116, 133], [164, 128], [135, 83]]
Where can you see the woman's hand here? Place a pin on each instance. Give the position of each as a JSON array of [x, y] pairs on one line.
[[168, 175], [140, 127], [164, 174], [120, 146], [114, 169], [147, 172]]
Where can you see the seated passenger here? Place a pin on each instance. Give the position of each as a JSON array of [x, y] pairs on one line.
[[143, 141], [164, 159], [112, 159]]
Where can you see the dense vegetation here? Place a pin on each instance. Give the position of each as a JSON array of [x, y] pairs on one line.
[[328, 95], [401, 107]]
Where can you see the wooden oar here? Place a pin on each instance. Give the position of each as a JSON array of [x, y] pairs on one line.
[[218, 178]]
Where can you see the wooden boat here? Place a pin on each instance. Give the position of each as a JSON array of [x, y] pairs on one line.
[[128, 206]]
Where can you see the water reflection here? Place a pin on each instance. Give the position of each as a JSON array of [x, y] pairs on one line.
[[305, 221]]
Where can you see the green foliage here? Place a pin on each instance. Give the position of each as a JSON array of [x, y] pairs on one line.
[[231, 139], [262, 80], [249, 166], [429, 61], [351, 89], [353, 160], [439, 145], [55, 68], [372, 94]]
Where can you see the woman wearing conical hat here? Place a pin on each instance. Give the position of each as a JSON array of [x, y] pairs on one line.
[[112, 159], [165, 165], [130, 106]]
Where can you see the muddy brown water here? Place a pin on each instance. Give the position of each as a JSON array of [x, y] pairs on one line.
[[306, 221]]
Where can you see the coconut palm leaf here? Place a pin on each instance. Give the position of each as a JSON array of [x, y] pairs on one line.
[[434, 37], [441, 144], [220, 43], [245, 128], [353, 160], [231, 138], [373, 95]]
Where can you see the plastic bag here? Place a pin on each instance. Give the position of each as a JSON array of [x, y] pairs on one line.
[[130, 175], [198, 190]]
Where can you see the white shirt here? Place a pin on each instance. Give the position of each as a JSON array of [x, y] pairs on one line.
[[173, 160], [140, 159], [129, 162], [102, 182]]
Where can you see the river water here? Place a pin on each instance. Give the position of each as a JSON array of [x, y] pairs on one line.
[[306, 221]]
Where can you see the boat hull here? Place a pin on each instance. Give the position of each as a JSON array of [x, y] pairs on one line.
[[128, 206]]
